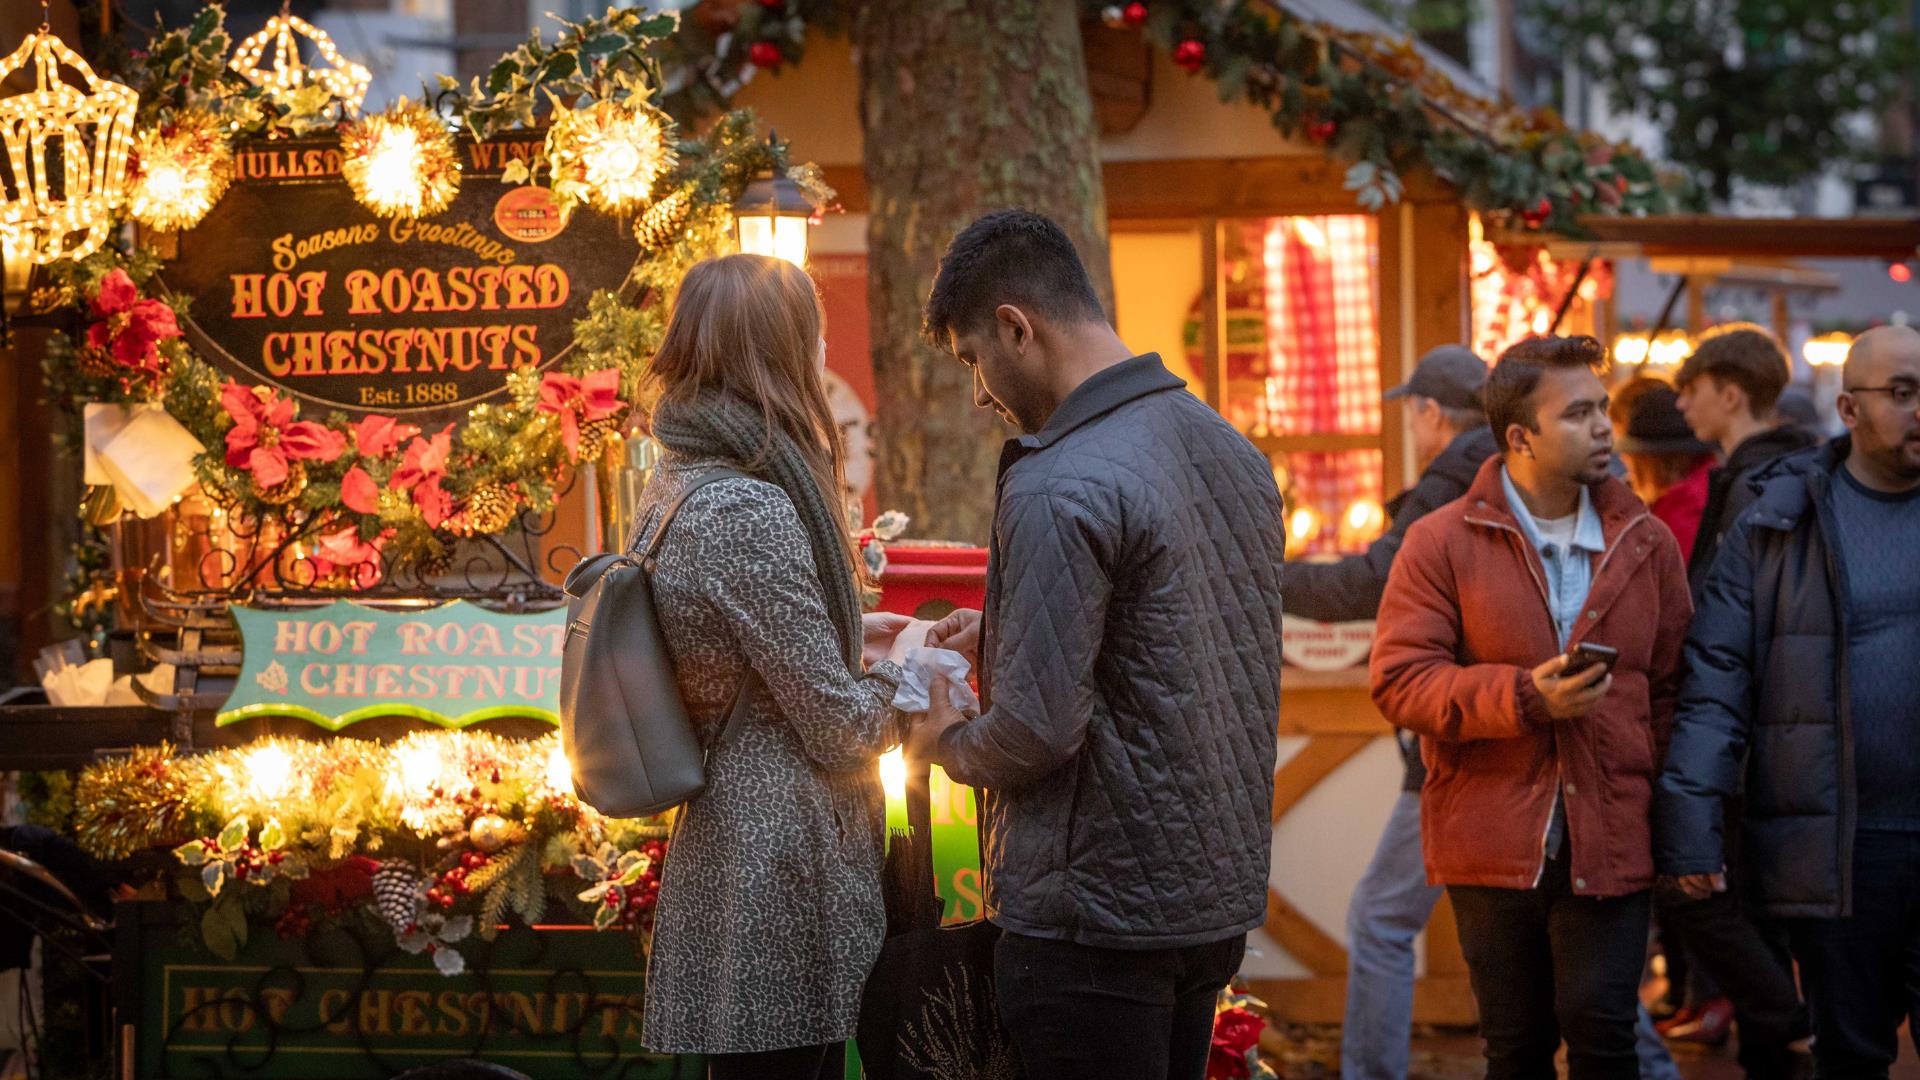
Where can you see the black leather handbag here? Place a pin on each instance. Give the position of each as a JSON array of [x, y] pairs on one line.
[[627, 736]]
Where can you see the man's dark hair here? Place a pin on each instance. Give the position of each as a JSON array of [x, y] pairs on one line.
[[1013, 257], [1746, 356], [1510, 385]]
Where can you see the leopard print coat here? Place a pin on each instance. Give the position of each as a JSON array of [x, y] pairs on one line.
[[770, 912]]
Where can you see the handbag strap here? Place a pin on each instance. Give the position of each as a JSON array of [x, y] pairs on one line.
[[744, 696]]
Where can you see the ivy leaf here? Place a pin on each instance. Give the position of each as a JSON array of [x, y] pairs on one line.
[[657, 26], [561, 65], [605, 44], [448, 82], [500, 79], [515, 172], [223, 926]]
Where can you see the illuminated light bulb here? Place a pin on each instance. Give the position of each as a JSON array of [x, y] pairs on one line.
[[345, 80], [1304, 523], [67, 146], [1827, 350], [893, 775], [401, 163], [614, 152], [417, 769], [559, 771], [1630, 348], [268, 769]]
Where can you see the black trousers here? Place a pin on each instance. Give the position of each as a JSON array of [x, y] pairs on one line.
[[1077, 1012], [1749, 966], [797, 1063], [1547, 965], [1862, 972]]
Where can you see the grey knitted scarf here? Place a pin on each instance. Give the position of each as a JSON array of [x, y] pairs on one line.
[[721, 426]]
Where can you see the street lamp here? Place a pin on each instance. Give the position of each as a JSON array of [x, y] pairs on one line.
[[770, 218]]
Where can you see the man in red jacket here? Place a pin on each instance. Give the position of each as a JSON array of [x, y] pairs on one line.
[[1535, 810]]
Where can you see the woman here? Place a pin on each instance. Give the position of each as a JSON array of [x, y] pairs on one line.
[[770, 913], [1667, 465]]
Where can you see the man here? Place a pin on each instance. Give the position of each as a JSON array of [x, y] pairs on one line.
[[1392, 901], [1535, 809], [1729, 389], [1129, 666], [1802, 668]]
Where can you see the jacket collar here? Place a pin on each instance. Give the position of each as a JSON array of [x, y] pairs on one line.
[[1103, 392], [1616, 504], [1790, 485], [1763, 446], [1586, 524]]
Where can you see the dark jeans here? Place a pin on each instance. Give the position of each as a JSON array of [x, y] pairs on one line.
[[798, 1063], [1749, 966], [1545, 965], [1862, 972], [1077, 1012]]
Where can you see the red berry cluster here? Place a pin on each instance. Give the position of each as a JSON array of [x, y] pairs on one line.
[[1190, 54], [1322, 131], [297, 922], [452, 882], [1134, 14], [1538, 214], [247, 858], [764, 54], [634, 901]]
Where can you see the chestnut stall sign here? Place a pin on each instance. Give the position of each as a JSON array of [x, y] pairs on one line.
[[294, 284]]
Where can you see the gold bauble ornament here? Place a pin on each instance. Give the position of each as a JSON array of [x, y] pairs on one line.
[[491, 832], [179, 172], [401, 163]]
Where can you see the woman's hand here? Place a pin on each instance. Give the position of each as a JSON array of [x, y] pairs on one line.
[[878, 629]]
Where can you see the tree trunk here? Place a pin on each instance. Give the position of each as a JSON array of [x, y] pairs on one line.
[[967, 106]]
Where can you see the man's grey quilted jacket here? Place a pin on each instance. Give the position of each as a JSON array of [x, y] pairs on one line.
[[1130, 671]]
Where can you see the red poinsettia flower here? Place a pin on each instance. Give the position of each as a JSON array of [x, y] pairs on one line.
[[266, 438], [130, 329], [579, 401], [421, 471], [337, 886], [344, 550], [380, 436], [359, 492], [1235, 1032]]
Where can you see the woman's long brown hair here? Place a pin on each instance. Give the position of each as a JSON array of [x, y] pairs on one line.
[[750, 326]]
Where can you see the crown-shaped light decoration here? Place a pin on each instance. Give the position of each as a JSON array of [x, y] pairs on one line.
[[342, 78], [66, 154]]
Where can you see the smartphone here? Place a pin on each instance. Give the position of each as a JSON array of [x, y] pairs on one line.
[[1586, 654]]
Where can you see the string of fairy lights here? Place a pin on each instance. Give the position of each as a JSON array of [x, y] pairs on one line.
[[76, 159]]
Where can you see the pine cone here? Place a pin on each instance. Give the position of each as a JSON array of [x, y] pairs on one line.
[[397, 892], [661, 224], [491, 508], [286, 490], [597, 435]]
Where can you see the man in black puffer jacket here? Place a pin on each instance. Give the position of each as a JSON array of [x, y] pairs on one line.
[[1801, 666], [1392, 901], [1129, 664]]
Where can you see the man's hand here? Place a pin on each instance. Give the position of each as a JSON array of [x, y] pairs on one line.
[[1570, 697], [1695, 886], [923, 742], [877, 631], [959, 632]]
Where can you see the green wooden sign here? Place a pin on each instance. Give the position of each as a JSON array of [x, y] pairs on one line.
[[553, 1002], [454, 664]]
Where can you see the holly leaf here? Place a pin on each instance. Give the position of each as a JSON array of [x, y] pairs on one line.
[[214, 876], [205, 23], [604, 916], [192, 854], [449, 961], [235, 833], [272, 836]]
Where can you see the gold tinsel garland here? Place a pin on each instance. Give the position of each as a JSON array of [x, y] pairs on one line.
[[179, 171], [143, 800], [609, 153], [401, 163]]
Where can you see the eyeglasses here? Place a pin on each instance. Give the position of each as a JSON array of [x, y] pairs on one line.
[[1903, 395]]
